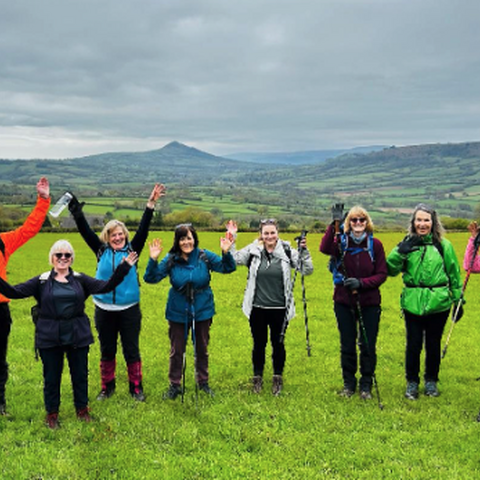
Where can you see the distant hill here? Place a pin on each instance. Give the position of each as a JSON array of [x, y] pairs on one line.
[[300, 158], [388, 182]]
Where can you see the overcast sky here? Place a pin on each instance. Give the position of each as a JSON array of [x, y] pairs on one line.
[[91, 76]]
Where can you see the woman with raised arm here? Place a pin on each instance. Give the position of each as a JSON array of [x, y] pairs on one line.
[[431, 277], [359, 268], [9, 243], [268, 301], [190, 302], [118, 312], [62, 328]]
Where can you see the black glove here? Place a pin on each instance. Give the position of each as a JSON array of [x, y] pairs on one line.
[[409, 244], [337, 212], [75, 206], [459, 314], [352, 283]]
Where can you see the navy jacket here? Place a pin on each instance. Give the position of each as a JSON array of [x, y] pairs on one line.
[[47, 332], [196, 271]]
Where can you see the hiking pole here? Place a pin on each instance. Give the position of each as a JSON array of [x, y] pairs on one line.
[[190, 294], [304, 298], [367, 344], [290, 294], [456, 310]]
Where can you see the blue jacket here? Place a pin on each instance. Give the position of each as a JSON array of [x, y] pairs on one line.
[[47, 332], [128, 291], [196, 271]]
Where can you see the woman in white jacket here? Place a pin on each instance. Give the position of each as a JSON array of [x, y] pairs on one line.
[[269, 289]]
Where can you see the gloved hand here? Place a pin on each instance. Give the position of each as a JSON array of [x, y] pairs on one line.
[[352, 283], [337, 212], [460, 313], [75, 206], [409, 244]]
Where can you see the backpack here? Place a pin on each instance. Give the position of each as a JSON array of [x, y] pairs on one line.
[[335, 265]]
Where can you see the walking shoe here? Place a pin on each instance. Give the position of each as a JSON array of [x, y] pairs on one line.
[[138, 395], [173, 392], [205, 387], [346, 392], [431, 389], [51, 421], [84, 414], [365, 394], [106, 391], [412, 391], [257, 382], [277, 385], [3, 409]]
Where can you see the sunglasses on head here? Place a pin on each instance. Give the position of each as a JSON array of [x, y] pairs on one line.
[[59, 255], [358, 220], [268, 221], [183, 225]]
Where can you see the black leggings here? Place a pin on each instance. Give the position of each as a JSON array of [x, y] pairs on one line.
[[260, 320], [420, 329]]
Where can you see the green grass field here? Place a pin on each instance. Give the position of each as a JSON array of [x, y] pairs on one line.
[[308, 432]]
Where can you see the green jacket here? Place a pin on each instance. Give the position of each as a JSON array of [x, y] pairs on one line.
[[432, 283]]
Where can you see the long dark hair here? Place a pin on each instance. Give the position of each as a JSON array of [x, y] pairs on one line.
[[180, 232]]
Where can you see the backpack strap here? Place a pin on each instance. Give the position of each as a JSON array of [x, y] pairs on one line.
[[2, 246]]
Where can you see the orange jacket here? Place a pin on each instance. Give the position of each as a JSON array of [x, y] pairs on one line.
[[16, 238]]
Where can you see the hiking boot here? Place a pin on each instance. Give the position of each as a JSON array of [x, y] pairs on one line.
[[431, 389], [173, 392], [3, 409], [51, 421], [138, 394], [106, 391], [277, 385], [205, 387], [84, 415], [346, 392], [257, 382], [365, 394], [412, 391]]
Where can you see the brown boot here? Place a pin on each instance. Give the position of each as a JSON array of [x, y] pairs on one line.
[[277, 385], [257, 382], [51, 421]]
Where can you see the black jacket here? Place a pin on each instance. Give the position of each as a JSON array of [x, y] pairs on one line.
[[47, 332]]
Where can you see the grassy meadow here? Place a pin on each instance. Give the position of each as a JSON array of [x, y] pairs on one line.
[[307, 432]]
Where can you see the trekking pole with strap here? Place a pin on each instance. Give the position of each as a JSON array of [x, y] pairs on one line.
[[304, 298], [190, 294], [290, 294], [456, 310], [367, 344]]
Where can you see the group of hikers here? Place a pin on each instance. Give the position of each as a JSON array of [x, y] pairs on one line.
[[427, 261]]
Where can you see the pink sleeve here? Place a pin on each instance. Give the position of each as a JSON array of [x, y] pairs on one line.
[[467, 259]]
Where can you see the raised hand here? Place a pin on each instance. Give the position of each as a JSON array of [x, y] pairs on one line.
[[225, 243], [231, 230], [43, 187], [159, 190], [337, 212], [473, 228], [156, 248]]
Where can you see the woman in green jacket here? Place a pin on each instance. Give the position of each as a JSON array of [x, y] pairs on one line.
[[431, 277]]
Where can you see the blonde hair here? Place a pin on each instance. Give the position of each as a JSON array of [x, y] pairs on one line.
[[60, 245], [358, 211], [109, 227]]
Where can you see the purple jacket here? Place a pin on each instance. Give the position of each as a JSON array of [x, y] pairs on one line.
[[371, 274]]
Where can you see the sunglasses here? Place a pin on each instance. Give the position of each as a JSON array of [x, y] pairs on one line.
[[268, 221], [358, 220], [59, 255], [183, 225]]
